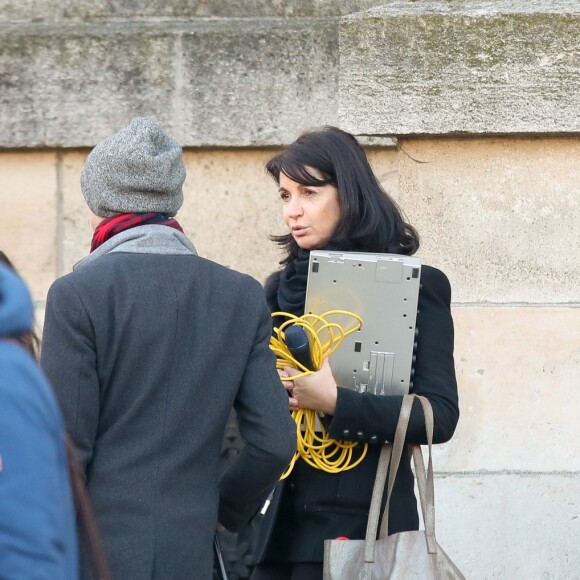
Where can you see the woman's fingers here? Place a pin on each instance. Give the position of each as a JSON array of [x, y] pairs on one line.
[[288, 385], [290, 372]]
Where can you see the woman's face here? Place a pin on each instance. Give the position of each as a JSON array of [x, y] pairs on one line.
[[311, 213]]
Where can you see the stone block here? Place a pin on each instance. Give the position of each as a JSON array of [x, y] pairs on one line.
[[479, 67], [84, 9], [258, 84], [517, 370], [28, 226], [385, 164], [209, 82], [72, 85], [499, 526], [230, 208], [76, 233], [500, 216]]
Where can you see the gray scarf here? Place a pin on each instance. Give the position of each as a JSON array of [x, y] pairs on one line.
[[148, 239]]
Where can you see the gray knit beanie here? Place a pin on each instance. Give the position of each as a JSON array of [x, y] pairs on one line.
[[138, 169]]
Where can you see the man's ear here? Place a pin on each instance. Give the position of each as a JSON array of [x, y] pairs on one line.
[[94, 220]]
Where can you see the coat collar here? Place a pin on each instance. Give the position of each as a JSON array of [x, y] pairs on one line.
[[148, 239]]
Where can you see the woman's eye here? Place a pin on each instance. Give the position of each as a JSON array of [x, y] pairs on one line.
[[284, 196], [309, 192]]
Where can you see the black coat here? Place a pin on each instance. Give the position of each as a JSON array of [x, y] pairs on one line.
[[148, 354], [313, 505]]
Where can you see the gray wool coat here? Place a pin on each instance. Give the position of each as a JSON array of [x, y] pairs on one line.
[[149, 347]]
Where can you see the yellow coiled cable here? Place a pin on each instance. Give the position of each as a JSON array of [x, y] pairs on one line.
[[317, 450]]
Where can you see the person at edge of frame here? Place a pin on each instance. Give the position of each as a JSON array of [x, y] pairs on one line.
[[148, 347], [331, 200], [37, 516]]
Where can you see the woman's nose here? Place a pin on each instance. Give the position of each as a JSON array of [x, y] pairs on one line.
[[294, 208]]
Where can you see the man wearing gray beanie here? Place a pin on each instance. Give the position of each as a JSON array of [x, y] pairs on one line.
[[148, 347]]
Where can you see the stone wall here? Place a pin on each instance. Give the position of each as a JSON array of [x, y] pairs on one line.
[[473, 67], [469, 110]]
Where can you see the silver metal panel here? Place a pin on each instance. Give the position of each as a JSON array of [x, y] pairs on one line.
[[381, 288]]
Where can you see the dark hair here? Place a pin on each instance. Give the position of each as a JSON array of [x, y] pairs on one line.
[[370, 220], [29, 340]]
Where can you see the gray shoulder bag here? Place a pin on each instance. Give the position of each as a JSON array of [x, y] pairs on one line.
[[406, 555]]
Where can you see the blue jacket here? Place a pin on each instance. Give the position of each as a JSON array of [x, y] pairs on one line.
[[37, 520]]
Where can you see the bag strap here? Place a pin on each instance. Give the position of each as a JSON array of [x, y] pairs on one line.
[[398, 448], [375, 509], [428, 503], [85, 513], [390, 454], [425, 482], [389, 461]]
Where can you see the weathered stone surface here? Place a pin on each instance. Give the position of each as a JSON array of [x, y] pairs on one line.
[[262, 85], [231, 207], [517, 370], [231, 82], [461, 67], [74, 223], [252, 78], [28, 221], [385, 165], [500, 216], [84, 9], [516, 526]]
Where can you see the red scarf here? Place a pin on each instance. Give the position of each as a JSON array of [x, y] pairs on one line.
[[125, 221]]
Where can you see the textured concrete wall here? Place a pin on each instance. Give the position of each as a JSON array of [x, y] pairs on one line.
[[258, 73], [91, 9], [502, 218], [500, 215], [510, 525], [461, 67], [209, 82]]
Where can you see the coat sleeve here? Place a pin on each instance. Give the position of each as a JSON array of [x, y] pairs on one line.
[[372, 418], [36, 513], [69, 360], [267, 430]]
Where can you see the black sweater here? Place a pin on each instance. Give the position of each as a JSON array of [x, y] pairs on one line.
[[313, 505]]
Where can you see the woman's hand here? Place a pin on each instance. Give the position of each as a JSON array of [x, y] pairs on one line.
[[316, 391], [289, 386]]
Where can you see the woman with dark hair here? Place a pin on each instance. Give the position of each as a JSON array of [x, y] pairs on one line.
[[331, 200]]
